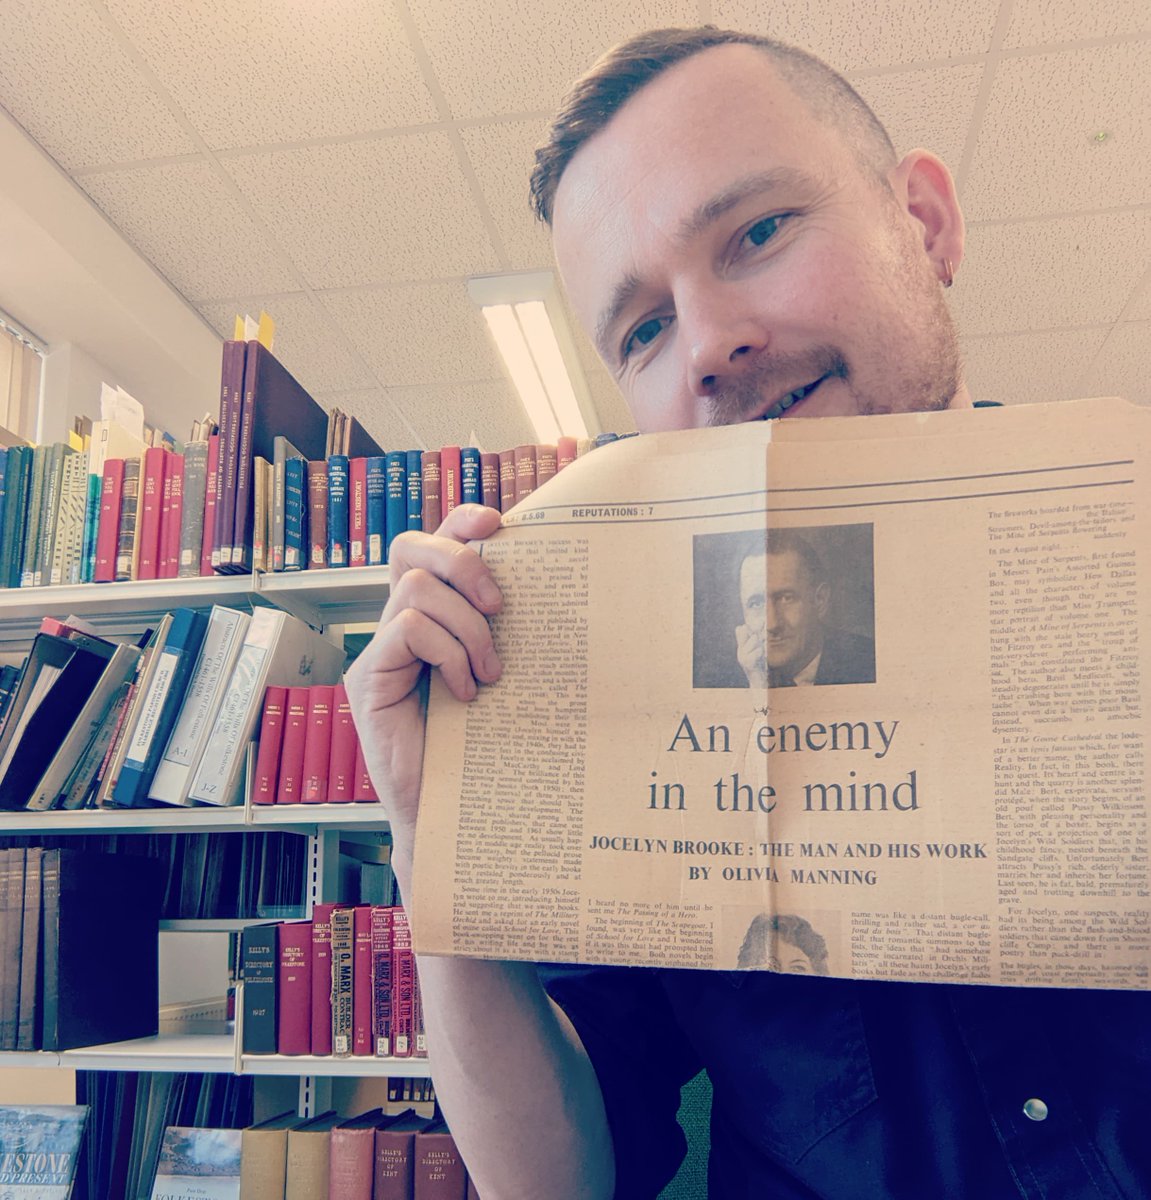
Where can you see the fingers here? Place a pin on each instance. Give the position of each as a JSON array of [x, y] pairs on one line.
[[402, 646], [444, 555]]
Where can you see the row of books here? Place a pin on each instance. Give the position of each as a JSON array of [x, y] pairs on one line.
[[372, 1156], [343, 983], [95, 724], [64, 982]]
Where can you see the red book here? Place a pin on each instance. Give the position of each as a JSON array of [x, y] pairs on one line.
[[322, 978], [271, 741], [565, 452], [362, 788], [352, 1156], [342, 760], [294, 988], [507, 479], [449, 479], [382, 980], [395, 1156], [289, 788], [525, 460], [357, 512], [108, 529], [433, 490], [439, 1172], [472, 1193], [403, 970], [546, 461], [171, 515], [490, 479], [317, 513], [210, 491], [152, 499], [362, 981], [317, 744]]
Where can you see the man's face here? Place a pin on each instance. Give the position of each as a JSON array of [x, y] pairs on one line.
[[786, 606], [733, 261]]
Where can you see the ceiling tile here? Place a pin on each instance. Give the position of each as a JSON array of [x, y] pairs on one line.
[[485, 413], [1037, 22], [925, 108], [68, 81], [374, 211], [1139, 305], [185, 219], [1028, 368], [502, 156], [308, 342], [420, 334], [1120, 367], [879, 34], [521, 56], [268, 72], [1036, 152], [1063, 273]]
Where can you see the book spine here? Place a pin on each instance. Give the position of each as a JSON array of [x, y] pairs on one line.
[[546, 464], [289, 789], [173, 517], [382, 981], [432, 477], [231, 401], [32, 520], [351, 1164], [195, 486], [64, 564], [415, 510], [271, 741], [279, 506], [565, 452], [525, 460], [338, 510], [396, 483], [362, 787], [243, 511], [30, 950], [47, 1033], [211, 499], [148, 532], [49, 514], [470, 489], [15, 513], [377, 505], [322, 978], [317, 513], [343, 996], [507, 479], [295, 511], [254, 554], [342, 759], [108, 528], [490, 479], [362, 980], [357, 512], [294, 988], [439, 1171], [395, 1163], [317, 744], [129, 506], [449, 479], [403, 983], [258, 966]]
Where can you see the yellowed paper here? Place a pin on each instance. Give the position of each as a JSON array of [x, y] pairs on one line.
[[956, 788]]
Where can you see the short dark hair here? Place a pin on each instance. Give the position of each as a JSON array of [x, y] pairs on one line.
[[623, 71], [791, 928], [789, 541]]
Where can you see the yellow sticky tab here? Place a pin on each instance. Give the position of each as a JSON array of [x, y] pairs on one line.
[[267, 331], [238, 329], [75, 441]]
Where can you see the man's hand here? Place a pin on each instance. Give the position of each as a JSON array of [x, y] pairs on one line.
[[751, 651], [441, 596]]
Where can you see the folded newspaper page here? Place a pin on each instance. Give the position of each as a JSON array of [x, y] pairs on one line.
[[860, 697]]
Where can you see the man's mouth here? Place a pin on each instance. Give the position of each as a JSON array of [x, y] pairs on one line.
[[789, 401]]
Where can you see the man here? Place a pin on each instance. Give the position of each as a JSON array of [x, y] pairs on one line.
[[785, 640], [783, 942], [736, 232]]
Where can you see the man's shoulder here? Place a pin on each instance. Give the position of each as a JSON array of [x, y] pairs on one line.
[[846, 658]]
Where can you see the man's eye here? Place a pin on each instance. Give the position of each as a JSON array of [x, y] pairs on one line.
[[644, 334], [763, 230]]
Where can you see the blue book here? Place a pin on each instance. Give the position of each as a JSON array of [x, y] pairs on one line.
[[337, 510], [415, 489], [295, 512], [377, 520], [602, 439], [397, 496], [470, 490], [164, 686], [91, 522]]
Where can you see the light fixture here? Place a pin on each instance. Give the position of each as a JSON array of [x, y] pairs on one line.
[[527, 322]]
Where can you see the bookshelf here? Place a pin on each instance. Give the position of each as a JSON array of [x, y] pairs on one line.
[[327, 599]]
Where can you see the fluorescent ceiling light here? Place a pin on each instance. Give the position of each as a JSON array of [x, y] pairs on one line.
[[525, 319]]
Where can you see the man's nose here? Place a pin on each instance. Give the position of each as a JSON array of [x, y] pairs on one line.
[[723, 338]]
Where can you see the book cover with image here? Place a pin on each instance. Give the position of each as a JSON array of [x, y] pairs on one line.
[[198, 1164], [39, 1147]]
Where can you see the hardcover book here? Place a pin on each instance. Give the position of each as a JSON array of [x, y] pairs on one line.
[[352, 1156], [439, 1172], [343, 958], [432, 486], [290, 783], [395, 1156], [309, 1158], [357, 512], [450, 488], [317, 744], [258, 969], [264, 1157], [321, 1023], [198, 1164], [342, 756], [271, 740], [39, 1150], [396, 521], [415, 472], [294, 988]]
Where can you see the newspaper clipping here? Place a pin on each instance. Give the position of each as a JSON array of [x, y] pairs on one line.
[[858, 697]]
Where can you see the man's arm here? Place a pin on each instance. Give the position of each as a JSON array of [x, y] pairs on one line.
[[511, 1074]]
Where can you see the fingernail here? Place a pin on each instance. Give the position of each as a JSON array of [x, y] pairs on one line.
[[488, 593]]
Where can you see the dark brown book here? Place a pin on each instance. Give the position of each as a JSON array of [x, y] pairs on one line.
[[546, 464], [490, 479], [126, 526], [11, 926], [28, 1009], [317, 542], [507, 479], [432, 499], [322, 978], [525, 460], [439, 1172], [395, 1156]]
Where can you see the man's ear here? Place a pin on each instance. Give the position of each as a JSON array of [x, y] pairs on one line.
[[822, 600], [924, 188]]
